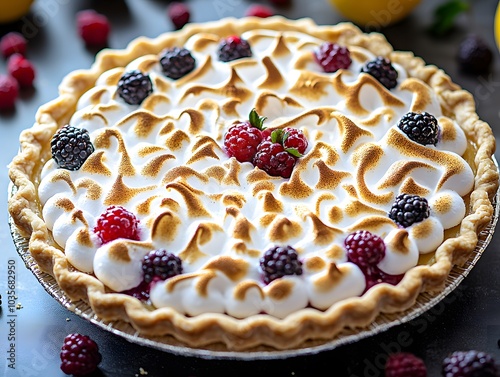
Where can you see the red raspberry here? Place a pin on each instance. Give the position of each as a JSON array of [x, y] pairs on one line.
[[141, 292], [364, 248], [21, 69], [404, 364], [12, 43], [117, 222], [296, 139], [79, 355], [259, 10], [332, 57], [93, 27], [374, 276], [273, 158], [9, 90], [243, 138], [179, 14]]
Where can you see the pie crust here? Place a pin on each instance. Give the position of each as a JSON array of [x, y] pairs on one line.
[[259, 330]]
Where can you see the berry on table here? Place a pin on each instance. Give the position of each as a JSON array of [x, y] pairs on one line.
[[70, 147], [474, 55], [161, 264], [12, 43], [470, 363], [364, 248], [281, 2], [21, 69], [134, 87], [405, 364], [259, 10], [117, 222], [178, 13], [176, 62], [9, 91], [381, 68], [243, 137], [233, 48], [332, 57], [93, 27], [279, 261], [80, 355], [409, 209], [420, 127]]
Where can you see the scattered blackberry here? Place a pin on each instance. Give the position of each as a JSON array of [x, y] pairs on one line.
[[382, 69], [422, 128], [474, 55], [469, 364], [79, 355], [364, 248], [134, 87], [117, 222], [404, 364], [332, 57], [162, 264], [243, 138], [177, 62], [232, 48], [409, 209], [71, 147], [279, 261]]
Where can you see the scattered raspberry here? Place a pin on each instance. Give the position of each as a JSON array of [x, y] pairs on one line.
[[474, 55], [70, 147], [469, 364], [117, 222], [232, 48], [279, 261], [161, 264], [332, 57], [134, 87], [12, 43], [259, 10], [422, 128], [405, 364], [176, 62], [382, 69], [21, 69], [179, 14], [79, 355], [409, 209], [9, 91], [295, 138], [364, 248], [243, 138], [93, 27]]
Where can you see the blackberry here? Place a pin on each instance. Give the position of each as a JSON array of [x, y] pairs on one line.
[[71, 147], [134, 87], [162, 264], [382, 69], [422, 128], [79, 355], [279, 261], [469, 364], [177, 62], [364, 248], [332, 57], [409, 209], [474, 55], [405, 364], [232, 48]]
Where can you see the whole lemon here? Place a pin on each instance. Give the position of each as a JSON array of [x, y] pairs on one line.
[[13, 10], [374, 13], [497, 25]]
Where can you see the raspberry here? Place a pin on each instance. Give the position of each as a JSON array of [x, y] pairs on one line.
[[382, 69], [243, 138], [295, 139], [333, 57], [177, 62], [232, 48], [409, 209], [93, 27], [179, 14], [259, 10], [9, 91], [279, 261], [374, 276], [134, 87], [117, 222], [12, 43], [79, 355], [420, 127], [469, 364], [21, 69], [161, 264], [70, 147], [474, 55], [403, 364], [274, 158], [141, 292], [364, 248]]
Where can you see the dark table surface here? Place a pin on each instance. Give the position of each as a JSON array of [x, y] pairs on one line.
[[469, 318]]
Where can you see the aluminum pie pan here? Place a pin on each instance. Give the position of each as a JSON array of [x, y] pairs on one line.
[[383, 322]]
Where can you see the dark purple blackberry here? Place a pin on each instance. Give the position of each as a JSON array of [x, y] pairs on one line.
[[364, 248], [409, 209], [422, 128], [232, 48], [469, 364], [177, 62], [79, 355], [279, 261], [382, 69], [474, 55], [134, 87], [161, 264], [71, 147]]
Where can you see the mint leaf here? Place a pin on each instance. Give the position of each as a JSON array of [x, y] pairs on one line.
[[256, 120], [294, 152], [445, 15]]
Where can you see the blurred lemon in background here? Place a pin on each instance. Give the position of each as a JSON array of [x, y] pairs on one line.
[[13, 10], [374, 13], [497, 25]]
